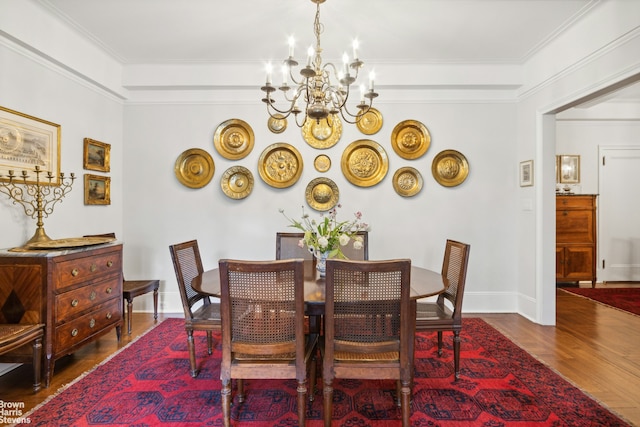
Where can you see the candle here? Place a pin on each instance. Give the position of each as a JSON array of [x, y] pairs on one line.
[[10, 172], [372, 77], [269, 68], [284, 75], [355, 49], [310, 53], [362, 90], [291, 45], [345, 62]]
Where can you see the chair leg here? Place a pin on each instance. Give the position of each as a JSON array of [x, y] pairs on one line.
[[312, 376], [129, 310], [225, 393], [192, 353], [398, 393], [327, 402], [456, 354], [155, 304], [37, 363], [440, 343], [406, 403], [302, 402], [209, 343], [240, 385]]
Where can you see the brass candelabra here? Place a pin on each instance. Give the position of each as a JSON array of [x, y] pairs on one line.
[[37, 199]]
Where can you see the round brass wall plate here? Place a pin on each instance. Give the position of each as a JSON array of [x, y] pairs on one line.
[[194, 168], [277, 123], [233, 139], [450, 168], [322, 194], [324, 134], [280, 165], [322, 163], [237, 182], [370, 122], [410, 139], [364, 163], [407, 182]]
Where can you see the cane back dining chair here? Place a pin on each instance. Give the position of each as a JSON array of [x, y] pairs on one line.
[[16, 335], [368, 327], [200, 313], [135, 288], [439, 316], [262, 306]]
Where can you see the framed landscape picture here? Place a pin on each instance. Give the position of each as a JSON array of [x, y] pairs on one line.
[[97, 190], [97, 155], [27, 142]]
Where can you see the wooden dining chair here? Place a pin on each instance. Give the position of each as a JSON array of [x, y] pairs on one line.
[[135, 288], [262, 305], [445, 314], [16, 335], [368, 327], [200, 313]]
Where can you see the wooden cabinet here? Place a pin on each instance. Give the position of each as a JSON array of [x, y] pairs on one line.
[[76, 293], [576, 238]]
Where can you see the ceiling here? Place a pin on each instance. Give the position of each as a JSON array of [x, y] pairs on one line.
[[412, 31]]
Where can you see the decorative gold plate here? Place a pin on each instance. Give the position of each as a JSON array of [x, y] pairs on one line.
[[450, 168], [72, 242], [322, 194], [410, 139], [237, 182], [277, 123], [370, 122], [233, 139], [407, 182], [324, 134], [364, 163], [194, 168], [280, 165], [322, 163]]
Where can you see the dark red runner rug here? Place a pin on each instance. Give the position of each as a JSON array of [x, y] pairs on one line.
[[148, 384], [626, 299]]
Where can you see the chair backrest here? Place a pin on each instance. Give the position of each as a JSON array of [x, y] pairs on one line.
[[358, 254], [262, 309], [287, 246], [454, 268], [367, 306], [187, 265]]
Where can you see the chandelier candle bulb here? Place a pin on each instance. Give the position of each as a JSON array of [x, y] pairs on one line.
[[269, 69], [355, 49], [292, 43]]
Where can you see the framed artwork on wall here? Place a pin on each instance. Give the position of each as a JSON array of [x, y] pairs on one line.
[[526, 173], [569, 169], [97, 190], [97, 155], [27, 142]]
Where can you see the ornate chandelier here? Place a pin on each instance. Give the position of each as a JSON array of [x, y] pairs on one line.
[[323, 88]]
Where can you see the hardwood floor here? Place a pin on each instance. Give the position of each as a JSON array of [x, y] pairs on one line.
[[593, 346]]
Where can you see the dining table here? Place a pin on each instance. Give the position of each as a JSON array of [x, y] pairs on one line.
[[424, 283]]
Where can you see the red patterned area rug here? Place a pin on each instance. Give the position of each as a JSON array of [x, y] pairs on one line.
[[148, 384], [625, 299]]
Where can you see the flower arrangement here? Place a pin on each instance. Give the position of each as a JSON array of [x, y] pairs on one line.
[[328, 235]]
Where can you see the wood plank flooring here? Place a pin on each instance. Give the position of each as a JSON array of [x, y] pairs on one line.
[[595, 347]]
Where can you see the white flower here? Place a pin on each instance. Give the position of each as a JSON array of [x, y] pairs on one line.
[[301, 243], [344, 239], [323, 242], [357, 244]]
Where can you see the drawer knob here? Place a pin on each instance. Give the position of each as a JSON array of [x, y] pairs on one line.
[[92, 323], [75, 272], [565, 213], [74, 303], [93, 268], [93, 295], [109, 315], [109, 263], [74, 332], [109, 290]]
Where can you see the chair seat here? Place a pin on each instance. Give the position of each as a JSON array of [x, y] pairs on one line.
[[16, 335], [207, 313], [134, 288], [433, 311]]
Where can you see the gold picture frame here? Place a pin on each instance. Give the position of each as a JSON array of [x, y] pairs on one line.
[[526, 173], [97, 190], [27, 142], [97, 155], [569, 169]]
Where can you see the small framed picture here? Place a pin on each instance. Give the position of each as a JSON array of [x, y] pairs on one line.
[[97, 155], [569, 169], [526, 173], [97, 190]]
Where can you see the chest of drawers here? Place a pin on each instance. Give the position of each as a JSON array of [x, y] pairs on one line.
[[76, 293], [576, 238]]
